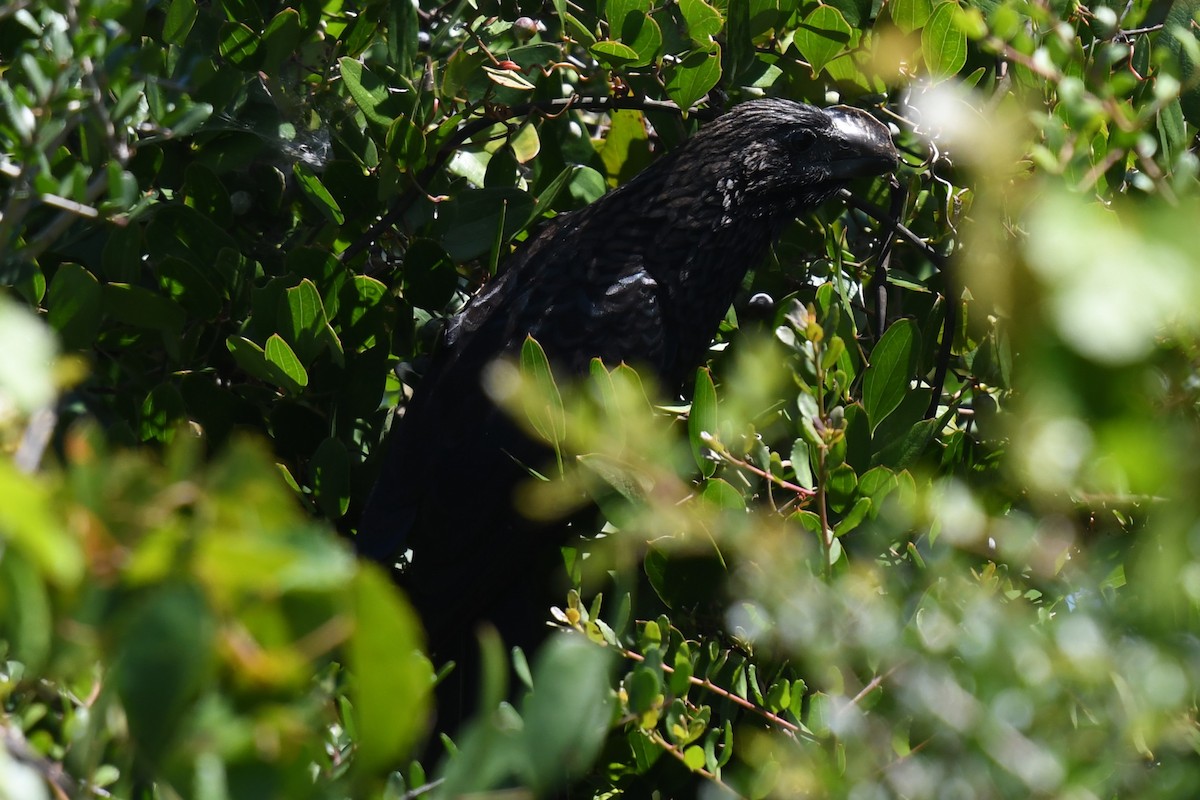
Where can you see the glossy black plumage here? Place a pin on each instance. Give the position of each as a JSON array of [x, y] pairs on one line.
[[643, 275]]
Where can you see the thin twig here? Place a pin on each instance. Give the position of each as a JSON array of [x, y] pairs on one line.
[[420, 790], [882, 217], [704, 683], [725, 455]]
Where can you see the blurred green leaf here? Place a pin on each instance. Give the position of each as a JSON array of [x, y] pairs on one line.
[[544, 408], [162, 659], [567, 715], [33, 527], [702, 420], [392, 680]]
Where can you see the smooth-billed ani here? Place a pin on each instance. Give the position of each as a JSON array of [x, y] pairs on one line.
[[643, 275]]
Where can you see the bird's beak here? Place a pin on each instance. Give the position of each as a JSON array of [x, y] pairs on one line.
[[864, 146]]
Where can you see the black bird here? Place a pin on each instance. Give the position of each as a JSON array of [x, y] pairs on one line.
[[643, 275]]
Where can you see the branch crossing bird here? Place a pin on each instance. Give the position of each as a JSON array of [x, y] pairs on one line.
[[643, 275]]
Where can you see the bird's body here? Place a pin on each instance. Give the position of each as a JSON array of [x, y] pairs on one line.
[[643, 275]]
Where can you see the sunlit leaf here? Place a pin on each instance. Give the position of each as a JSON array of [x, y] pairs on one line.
[[823, 35], [943, 43]]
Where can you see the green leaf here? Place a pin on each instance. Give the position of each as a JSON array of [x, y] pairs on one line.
[[547, 196], [702, 419], [73, 303], [626, 150], [373, 95], [857, 13], [34, 525], [910, 14], [1180, 41], [164, 657], [703, 21], [288, 372], [142, 308], [643, 686], [680, 679], [854, 517], [302, 320], [316, 193], [1172, 130], [615, 11], [508, 78], [877, 483], [545, 406], [640, 32], [779, 696], [801, 465], [893, 360], [28, 621], [568, 713], [187, 234], [405, 142], [614, 54], [822, 35], [391, 679], [467, 225], [943, 43], [161, 411], [692, 78], [280, 40], [903, 452], [188, 286], [722, 495], [525, 144], [181, 15], [250, 358], [841, 485], [404, 25], [238, 45], [329, 476]]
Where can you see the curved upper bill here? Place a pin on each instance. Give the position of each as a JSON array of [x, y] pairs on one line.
[[865, 147]]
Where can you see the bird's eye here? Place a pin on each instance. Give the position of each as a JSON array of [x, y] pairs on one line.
[[801, 140]]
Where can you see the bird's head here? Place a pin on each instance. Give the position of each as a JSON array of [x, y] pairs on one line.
[[791, 156]]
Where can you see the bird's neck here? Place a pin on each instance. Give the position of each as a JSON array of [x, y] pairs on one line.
[[724, 239]]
